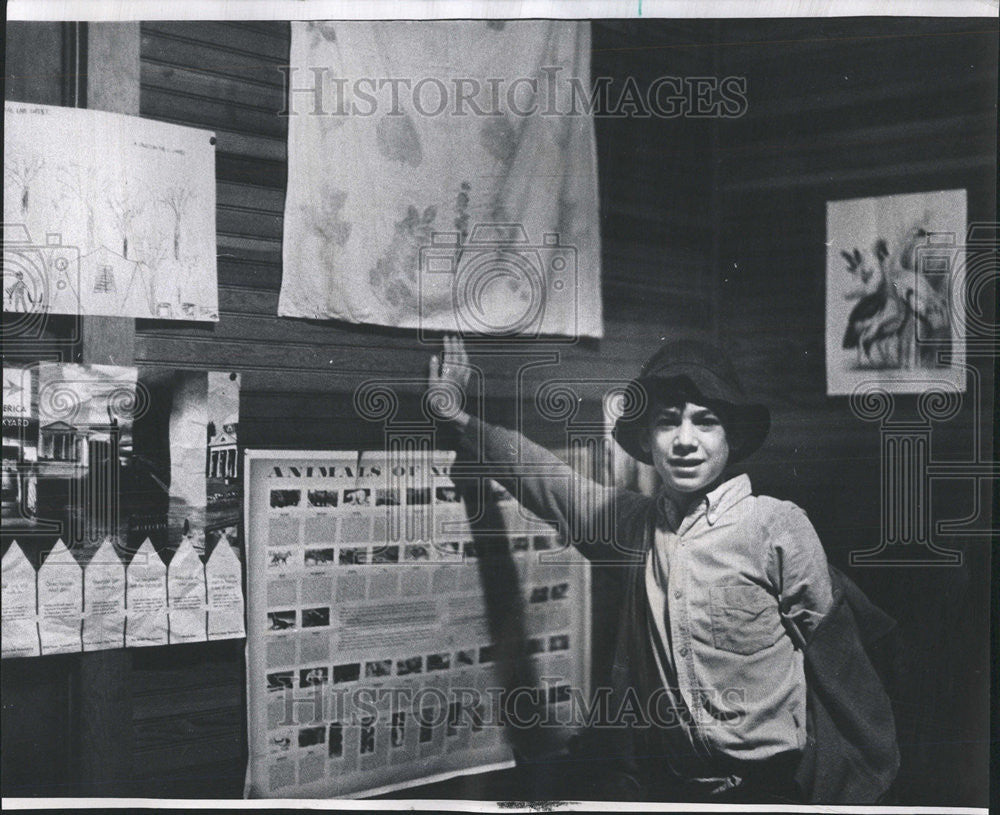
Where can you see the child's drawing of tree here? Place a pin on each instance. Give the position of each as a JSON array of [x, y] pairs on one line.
[[21, 168], [80, 185], [153, 250], [125, 207], [177, 199]]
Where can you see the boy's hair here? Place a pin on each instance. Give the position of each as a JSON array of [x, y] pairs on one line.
[[677, 392]]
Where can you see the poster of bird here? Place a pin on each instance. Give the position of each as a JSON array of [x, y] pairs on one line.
[[895, 293]]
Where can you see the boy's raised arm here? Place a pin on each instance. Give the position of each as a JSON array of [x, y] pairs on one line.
[[588, 512]]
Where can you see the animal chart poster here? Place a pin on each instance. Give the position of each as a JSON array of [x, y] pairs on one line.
[[895, 314], [107, 214], [373, 663]]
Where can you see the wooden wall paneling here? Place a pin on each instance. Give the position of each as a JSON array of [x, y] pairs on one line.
[[208, 49], [655, 224], [189, 720], [39, 724], [840, 110], [105, 691], [35, 71]]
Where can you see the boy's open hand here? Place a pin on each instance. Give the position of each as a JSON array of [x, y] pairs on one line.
[[447, 382]]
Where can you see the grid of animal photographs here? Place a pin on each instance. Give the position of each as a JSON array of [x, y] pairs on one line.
[[362, 592]]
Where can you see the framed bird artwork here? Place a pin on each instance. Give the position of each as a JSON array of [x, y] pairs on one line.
[[895, 293]]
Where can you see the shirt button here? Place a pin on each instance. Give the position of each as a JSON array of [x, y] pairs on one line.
[[678, 595], [684, 652]]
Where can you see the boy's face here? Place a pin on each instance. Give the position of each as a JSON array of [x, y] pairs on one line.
[[688, 446]]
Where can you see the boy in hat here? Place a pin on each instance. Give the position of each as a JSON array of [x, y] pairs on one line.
[[723, 589]]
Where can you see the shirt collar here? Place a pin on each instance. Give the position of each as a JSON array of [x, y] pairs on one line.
[[713, 505]]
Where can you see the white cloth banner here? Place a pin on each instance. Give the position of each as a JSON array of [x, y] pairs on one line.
[[443, 176]]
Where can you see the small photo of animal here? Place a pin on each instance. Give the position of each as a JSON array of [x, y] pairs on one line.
[[322, 498], [310, 677], [281, 680], [410, 665], [280, 620], [357, 497], [559, 591], [315, 617], [285, 498], [535, 645], [277, 558], [446, 495], [319, 557], [438, 662], [385, 554], [351, 672], [378, 668], [312, 736], [353, 556]]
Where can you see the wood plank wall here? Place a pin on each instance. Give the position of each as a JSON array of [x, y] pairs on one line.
[[41, 706], [842, 109]]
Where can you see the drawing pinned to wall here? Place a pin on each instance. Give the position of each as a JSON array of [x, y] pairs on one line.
[[894, 289], [107, 214]]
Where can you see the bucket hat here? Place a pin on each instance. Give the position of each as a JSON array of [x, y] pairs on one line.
[[693, 371]]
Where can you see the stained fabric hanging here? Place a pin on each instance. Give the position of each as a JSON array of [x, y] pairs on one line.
[[442, 176]]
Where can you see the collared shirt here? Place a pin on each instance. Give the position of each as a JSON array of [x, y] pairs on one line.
[[718, 581], [722, 581]]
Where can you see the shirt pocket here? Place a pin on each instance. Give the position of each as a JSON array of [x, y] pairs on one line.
[[745, 618]]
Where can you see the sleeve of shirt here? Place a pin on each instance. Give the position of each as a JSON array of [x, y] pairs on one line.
[[797, 567], [591, 514]]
